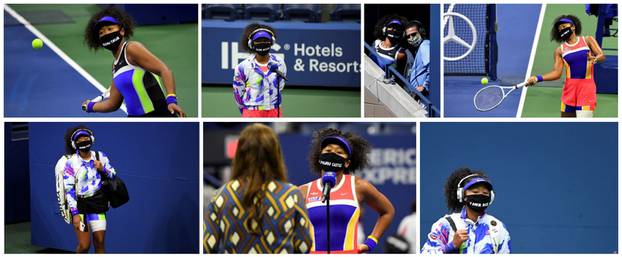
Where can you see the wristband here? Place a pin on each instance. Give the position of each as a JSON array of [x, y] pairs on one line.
[[171, 99], [539, 77], [74, 211], [371, 242], [450, 248], [89, 106]]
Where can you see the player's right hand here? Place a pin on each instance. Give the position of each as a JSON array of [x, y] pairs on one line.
[[76, 221], [532, 81], [84, 104], [460, 236]]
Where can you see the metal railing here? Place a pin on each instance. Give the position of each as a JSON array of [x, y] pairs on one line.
[[390, 72]]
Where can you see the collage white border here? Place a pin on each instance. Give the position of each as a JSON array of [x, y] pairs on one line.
[[200, 120]]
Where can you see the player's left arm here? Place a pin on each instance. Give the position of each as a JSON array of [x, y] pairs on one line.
[[506, 245], [103, 166], [501, 238], [401, 59], [283, 69], [379, 203], [597, 55], [139, 55]]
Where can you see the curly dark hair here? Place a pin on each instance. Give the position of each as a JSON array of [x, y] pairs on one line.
[[383, 21], [358, 158], [91, 32], [69, 150], [451, 186], [577, 27], [419, 26], [249, 29]]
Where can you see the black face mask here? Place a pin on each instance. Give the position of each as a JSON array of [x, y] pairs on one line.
[[565, 34], [262, 48], [84, 146], [478, 203], [332, 162], [111, 41]]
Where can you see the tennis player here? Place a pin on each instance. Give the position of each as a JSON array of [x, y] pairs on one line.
[[83, 174], [468, 229], [577, 54], [140, 79], [390, 33], [259, 79], [347, 197]]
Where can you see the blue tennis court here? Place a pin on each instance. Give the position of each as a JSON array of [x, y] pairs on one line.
[[39, 82], [459, 92], [513, 26]]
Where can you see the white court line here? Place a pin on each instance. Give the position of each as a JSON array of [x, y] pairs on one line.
[[59, 52], [532, 58]]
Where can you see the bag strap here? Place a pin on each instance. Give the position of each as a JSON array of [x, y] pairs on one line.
[[451, 223]]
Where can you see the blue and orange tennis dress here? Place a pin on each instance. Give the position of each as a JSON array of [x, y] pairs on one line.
[[344, 216], [579, 91]]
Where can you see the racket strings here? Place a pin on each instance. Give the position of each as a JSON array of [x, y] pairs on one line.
[[488, 98]]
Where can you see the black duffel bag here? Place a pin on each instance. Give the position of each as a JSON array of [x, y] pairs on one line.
[[114, 188], [116, 191], [98, 203]]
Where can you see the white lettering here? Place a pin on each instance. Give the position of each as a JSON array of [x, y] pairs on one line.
[[384, 175], [316, 66], [317, 50], [224, 55]]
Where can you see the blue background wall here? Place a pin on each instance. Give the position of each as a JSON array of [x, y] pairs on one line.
[[555, 183], [159, 162], [16, 175]]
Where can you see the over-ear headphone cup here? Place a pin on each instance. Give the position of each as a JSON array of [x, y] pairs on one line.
[[492, 196], [459, 195]]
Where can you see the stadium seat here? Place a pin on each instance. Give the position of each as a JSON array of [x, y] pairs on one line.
[[399, 128], [356, 128], [265, 12], [346, 12], [220, 11], [302, 12]]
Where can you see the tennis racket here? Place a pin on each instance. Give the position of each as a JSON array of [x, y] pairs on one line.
[[492, 96]]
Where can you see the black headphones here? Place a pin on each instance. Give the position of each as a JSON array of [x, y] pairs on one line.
[[75, 133], [250, 37], [419, 26]]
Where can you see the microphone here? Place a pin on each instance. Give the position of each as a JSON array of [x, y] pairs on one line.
[[328, 180], [275, 68]]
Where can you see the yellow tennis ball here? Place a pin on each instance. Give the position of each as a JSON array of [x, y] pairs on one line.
[[37, 43], [484, 81]]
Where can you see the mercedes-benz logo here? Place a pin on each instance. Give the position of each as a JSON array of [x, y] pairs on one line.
[[448, 20]]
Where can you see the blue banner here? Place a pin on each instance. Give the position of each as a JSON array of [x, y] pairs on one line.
[[316, 54]]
